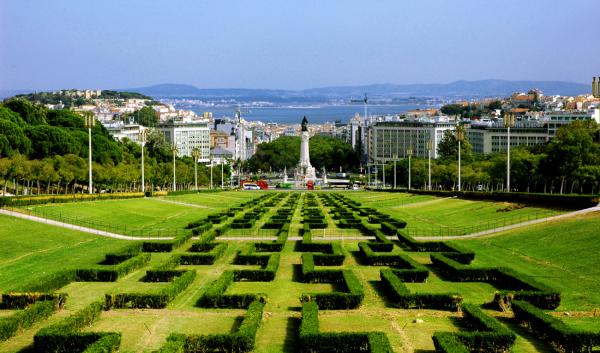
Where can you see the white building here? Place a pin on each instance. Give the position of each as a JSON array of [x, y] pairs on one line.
[[389, 138], [187, 135], [119, 131]]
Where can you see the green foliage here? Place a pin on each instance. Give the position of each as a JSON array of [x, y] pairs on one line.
[[325, 151], [312, 340], [31, 113], [22, 319], [145, 116], [554, 330], [65, 336], [403, 298]]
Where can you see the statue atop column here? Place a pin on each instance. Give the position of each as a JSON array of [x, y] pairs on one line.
[[304, 171]]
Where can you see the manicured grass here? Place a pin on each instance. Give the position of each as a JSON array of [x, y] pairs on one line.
[[144, 216], [561, 254], [31, 250], [431, 216]]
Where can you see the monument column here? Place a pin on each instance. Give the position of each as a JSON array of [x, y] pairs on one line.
[[304, 171]]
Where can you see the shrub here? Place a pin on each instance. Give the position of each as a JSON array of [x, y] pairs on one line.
[[215, 297], [22, 319], [111, 273], [554, 330], [403, 298]]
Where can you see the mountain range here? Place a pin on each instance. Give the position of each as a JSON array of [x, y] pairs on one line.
[[457, 89]]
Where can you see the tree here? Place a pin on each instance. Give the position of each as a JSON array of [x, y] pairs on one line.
[[13, 139], [30, 112], [448, 147], [145, 116]]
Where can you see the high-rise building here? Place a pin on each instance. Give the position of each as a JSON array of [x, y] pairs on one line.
[[188, 135]]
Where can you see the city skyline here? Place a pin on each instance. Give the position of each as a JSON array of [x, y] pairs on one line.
[[69, 44]]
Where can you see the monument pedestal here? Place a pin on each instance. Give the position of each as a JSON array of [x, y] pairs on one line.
[[304, 171]]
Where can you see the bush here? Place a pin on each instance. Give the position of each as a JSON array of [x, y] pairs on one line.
[[351, 298], [554, 330], [311, 340], [22, 319], [23, 300], [403, 298], [215, 297], [517, 285], [111, 272], [165, 246], [179, 280], [16, 201], [64, 336]]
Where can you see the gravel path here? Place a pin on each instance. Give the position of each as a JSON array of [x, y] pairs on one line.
[[178, 202]]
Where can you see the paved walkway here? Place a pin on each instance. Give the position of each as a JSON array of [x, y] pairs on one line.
[[177, 202], [76, 227]]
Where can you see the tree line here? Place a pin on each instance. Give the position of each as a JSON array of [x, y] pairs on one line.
[[45, 151], [569, 163]]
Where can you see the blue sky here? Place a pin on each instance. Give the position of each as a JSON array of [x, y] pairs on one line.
[[293, 44]]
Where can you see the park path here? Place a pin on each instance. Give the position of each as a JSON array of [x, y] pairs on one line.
[[440, 238], [177, 202]]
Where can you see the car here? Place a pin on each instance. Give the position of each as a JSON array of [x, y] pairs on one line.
[[355, 187], [251, 186]]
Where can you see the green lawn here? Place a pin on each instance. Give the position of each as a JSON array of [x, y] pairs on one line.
[[30, 250], [142, 216], [562, 254], [431, 216]]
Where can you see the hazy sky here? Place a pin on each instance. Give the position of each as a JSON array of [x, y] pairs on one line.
[[293, 44]]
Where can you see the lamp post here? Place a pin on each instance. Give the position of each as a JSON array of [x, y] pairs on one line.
[[90, 122], [409, 153], [429, 148], [222, 185], [395, 157], [142, 137], [460, 136], [509, 121], [174, 151], [196, 154], [383, 175], [211, 173]]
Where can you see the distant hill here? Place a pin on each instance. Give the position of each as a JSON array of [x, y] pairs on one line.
[[481, 88]]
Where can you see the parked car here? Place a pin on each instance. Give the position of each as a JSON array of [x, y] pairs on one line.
[[251, 186]]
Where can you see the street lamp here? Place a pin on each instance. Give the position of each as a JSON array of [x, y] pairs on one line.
[[409, 153], [429, 148], [395, 157], [142, 137], [174, 151], [509, 121], [383, 177], [196, 154], [460, 136], [222, 185], [90, 122], [211, 173]]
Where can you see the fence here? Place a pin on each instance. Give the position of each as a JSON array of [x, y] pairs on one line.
[[115, 228], [432, 231]]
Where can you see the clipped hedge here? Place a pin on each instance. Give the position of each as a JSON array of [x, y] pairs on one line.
[[165, 245], [16, 300], [15, 201], [519, 286], [312, 340], [350, 295], [65, 336], [215, 297], [203, 254], [403, 298], [22, 319], [110, 273], [549, 328], [179, 280]]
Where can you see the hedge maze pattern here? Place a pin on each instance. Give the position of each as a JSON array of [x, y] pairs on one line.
[[301, 215]]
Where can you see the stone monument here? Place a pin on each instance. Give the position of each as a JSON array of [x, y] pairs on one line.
[[304, 171]]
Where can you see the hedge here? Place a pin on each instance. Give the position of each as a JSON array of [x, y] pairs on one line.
[[550, 328], [179, 280], [17, 300], [111, 272], [165, 246], [215, 297], [22, 319], [243, 340], [403, 298], [458, 253], [350, 296], [488, 335], [312, 340], [517, 285], [202, 254], [15, 201], [64, 336]]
